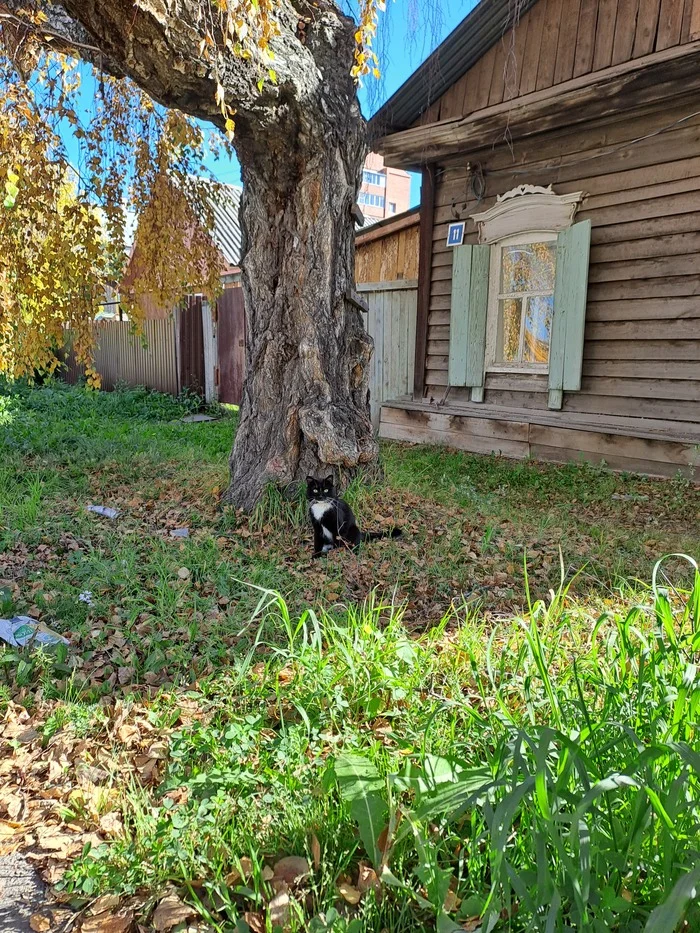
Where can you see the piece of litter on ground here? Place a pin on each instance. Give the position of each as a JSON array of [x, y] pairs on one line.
[[105, 510], [632, 497], [86, 597], [20, 630], [192, 419], [179, 532]]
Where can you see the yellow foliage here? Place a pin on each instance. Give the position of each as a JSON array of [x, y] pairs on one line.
[[366, 60], [52, 256], [62, 230]]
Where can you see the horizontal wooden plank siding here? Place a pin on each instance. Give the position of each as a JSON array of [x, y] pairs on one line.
[[511, 436], [642, 196], [560, 39], [388, 257]]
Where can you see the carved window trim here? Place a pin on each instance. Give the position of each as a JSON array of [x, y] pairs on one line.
[[525, 214], [525, 209]]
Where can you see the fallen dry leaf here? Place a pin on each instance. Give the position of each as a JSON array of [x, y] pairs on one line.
[[243, 873], [128, 734], [291, 869], [111, 825], [452, 902], [279, 908], [256, 922], [9, 828], [40, 923], [170, 912], [108, 922], [315, 851], [471, 924], [367, 879], [349, 893], [158, 750], [62, 844], [28, 736], [13, 805], [104, 903]]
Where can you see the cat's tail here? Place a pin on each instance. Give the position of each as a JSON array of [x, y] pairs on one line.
[[374, 535]]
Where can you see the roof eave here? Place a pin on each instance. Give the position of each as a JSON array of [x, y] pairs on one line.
[[462, 49]]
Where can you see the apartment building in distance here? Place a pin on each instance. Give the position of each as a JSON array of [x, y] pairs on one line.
[[384, 191]]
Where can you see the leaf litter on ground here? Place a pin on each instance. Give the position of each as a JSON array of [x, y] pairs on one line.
[[164, 615]]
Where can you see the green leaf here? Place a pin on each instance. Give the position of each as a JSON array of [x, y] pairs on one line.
[[362, 787], [445, 924], [666, 917], [436, 794]]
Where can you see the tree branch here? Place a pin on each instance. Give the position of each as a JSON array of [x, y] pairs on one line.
[[158, 43], [45, 34]]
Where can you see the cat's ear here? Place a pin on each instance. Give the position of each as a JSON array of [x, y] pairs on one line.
[[329, 480], [310, 480]]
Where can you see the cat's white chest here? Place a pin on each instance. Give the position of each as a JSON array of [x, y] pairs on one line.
[[319, 509]]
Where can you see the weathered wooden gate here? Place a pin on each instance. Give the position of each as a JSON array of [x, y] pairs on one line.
[[391, 321], [191, 345], [230, 338]]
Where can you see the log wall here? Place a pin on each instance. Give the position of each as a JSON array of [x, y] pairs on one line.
[[557, 40], [642, 340]]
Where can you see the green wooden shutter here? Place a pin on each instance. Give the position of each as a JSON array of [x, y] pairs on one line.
[[470, 291], [569, 319]]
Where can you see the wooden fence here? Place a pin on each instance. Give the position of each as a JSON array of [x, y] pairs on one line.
[[391, 321], [174, 352], [121, 357], [192, 348]]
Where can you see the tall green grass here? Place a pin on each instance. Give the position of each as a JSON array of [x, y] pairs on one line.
[[589, 818], [543, 777]]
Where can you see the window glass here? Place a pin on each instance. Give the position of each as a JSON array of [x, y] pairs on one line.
[[528, 268], [374, 178], [375, 200], [526, 302]]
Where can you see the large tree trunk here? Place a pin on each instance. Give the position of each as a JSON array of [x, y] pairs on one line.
[[301, 145], [305, 401]]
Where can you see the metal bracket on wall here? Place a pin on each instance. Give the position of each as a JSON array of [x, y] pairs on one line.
[[355, 300]]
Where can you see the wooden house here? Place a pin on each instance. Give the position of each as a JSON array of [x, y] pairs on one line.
[[558, 310]]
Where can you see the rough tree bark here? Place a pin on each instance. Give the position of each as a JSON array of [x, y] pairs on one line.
[[301, 145]]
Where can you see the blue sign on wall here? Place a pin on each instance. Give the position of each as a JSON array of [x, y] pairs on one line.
[[455, 234]]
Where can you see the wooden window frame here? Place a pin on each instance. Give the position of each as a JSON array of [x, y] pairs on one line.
[[493, 312]]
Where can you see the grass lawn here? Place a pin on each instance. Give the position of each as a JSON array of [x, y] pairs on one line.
[[489, 724]]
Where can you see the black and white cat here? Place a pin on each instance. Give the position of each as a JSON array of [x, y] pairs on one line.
[[332, 519]]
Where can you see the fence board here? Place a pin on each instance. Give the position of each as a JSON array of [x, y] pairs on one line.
[[192, 345], [231, 345], [122, 357]]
